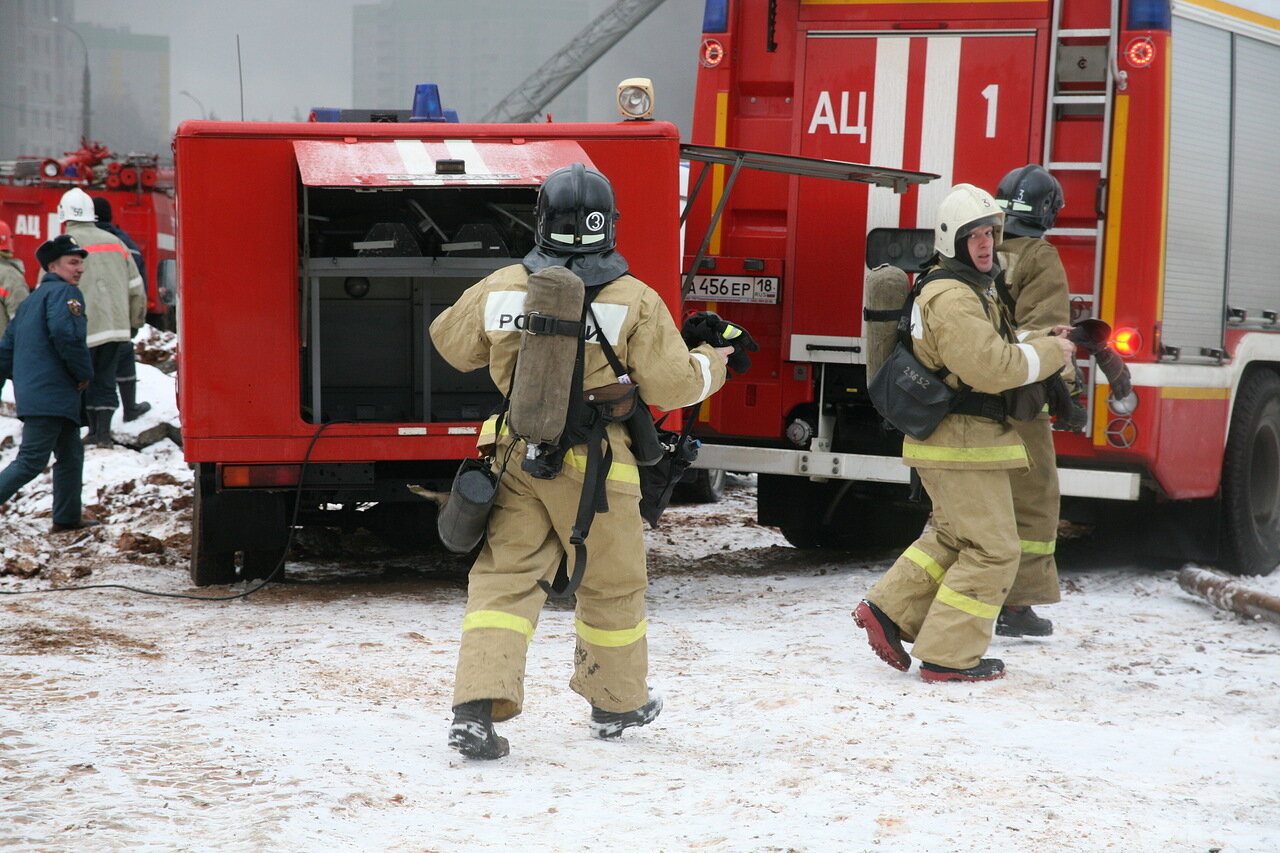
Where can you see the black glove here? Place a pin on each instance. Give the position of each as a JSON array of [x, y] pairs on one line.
[[1064, 406], [708, 327], [1092, 336], [1116, 371]]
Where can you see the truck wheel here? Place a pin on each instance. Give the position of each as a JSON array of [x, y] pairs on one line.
[[208, 566], [261, 563], [805, 536], [707, 486], [1251, 478]]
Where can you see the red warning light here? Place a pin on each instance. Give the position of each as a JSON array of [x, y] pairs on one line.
[[1127, 342], [1140, 52], [712, 53]]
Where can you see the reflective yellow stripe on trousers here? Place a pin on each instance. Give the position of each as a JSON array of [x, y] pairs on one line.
[[924, 561], [498, 619], [964, 603], [1031, 546], [946, 594], [935, 453], [611, 639]]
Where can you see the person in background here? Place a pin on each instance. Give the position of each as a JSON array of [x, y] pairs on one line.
[[1035, 293], [13, 280], [126, 365], [44, 351], [116, 305]]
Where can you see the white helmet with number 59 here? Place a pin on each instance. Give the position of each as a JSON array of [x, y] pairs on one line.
[[76, 206]]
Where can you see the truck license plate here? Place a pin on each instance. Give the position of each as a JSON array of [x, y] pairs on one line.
[[736, 288]]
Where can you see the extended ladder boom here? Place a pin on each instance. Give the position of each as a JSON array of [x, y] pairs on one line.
[[537, 90]]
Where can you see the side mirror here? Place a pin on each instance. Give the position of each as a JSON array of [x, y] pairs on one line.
[[167, 281]]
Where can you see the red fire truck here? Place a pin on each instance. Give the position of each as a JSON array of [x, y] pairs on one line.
[[1161, 126], [140, 191], [313, 259], [309, 389]]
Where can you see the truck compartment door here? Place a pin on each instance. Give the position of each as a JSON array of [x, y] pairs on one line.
[[958, 105]]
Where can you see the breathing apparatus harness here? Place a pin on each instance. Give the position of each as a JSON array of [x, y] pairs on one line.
[[967, 401], [586, 421]]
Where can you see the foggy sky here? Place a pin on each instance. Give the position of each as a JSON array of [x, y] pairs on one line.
[[296, 54]]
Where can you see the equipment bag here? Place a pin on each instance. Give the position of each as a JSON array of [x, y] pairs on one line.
[[659, 480], [462, 520], [909, 395]]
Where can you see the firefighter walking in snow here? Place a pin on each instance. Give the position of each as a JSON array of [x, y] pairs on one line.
[[115, 304], [1035, 293], [944, 592], [536, 513]]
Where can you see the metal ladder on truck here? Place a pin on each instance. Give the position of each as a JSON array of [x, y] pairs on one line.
[[1082, 82]]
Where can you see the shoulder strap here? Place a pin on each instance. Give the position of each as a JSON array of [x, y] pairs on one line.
[[619, 370], [904, 322]]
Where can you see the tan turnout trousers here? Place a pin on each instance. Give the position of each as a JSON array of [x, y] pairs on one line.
[[1035, 499], [611, 658], [946, 589]]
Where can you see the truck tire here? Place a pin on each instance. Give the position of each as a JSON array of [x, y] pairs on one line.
[[208, 566], [259, 564], [1251, 478], [705, 487]]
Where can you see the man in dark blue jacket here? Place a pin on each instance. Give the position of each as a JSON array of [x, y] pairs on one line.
[[45, 352]]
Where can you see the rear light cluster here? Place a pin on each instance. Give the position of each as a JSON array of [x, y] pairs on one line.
[[1126, 342], [260, 476]]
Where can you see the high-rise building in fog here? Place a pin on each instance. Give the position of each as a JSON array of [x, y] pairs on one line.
[[43, 51], [41, 74], [130, 88], [476, 50]]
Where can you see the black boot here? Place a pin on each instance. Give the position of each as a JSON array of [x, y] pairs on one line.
[[99, 428], [607, 725], [988, 669], [472, 731], [79, 525], [882, 634], [103, 428], [1022, 622], [129, 397]]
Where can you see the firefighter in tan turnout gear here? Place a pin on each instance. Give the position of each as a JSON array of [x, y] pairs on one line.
[[13, 280], [944, 592], [115, 305], [539, 493], [1035, 293]]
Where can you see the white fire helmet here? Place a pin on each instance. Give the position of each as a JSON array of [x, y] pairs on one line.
[[76, 206], [963, 209]]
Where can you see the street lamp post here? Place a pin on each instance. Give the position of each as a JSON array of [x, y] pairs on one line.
[[84, 106], [199, 104]]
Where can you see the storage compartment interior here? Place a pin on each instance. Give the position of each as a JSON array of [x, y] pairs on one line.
[[377, 266]]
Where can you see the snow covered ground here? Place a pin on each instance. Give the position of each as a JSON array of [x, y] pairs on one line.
[[311, 716]]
